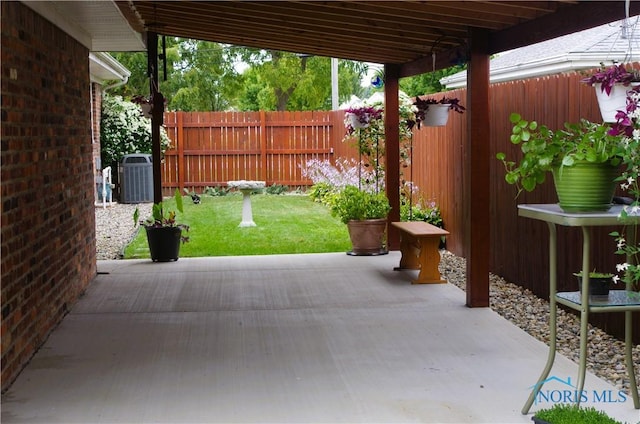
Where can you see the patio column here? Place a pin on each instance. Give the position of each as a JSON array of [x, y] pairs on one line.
[[392, 150], [477, 162], [156, 115]]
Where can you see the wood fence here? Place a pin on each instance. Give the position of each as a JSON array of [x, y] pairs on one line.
[[213, 148]]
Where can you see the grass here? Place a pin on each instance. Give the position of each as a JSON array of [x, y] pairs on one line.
[[285, 224], [572, 414]]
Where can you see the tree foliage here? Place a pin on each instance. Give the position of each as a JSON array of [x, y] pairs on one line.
[[428, 83], [204, 76]]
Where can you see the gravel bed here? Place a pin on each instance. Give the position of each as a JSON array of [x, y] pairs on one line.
[[115, 229]]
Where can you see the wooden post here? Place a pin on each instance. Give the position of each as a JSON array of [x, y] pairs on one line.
[[392, 150], [156, 115], [477, 160]]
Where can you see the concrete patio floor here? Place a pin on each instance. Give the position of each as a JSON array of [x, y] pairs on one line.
[[322, 338]]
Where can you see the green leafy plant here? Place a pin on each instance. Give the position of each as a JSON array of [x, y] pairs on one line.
[[422, 211], [216, 191], [320, 192], [594, 274], [628, 127], [162, 217], [608, 77], [353, 204], [277, 189], [572, 414], [543, 149]]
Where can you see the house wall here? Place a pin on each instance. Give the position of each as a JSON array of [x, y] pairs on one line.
[[48, 219]]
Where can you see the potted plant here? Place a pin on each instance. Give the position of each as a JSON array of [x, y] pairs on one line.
[[360, 117], [365, 214], [435, 113], [611, 85], [599, 282], [164, 234], [583, 158]]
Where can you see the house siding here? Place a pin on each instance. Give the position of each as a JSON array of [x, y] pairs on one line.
[[48, 220]]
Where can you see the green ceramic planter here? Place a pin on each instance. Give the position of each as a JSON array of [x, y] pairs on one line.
[[585, 186]]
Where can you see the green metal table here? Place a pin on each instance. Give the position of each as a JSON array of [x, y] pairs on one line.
[[618, 300]]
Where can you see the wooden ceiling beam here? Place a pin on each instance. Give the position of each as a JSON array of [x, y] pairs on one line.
[[279, 18]]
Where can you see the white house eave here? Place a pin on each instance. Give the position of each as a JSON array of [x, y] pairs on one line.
[[103, 67], [97, 25], [547, 66]]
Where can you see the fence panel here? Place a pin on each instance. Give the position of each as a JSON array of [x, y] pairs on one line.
[[212, 148]]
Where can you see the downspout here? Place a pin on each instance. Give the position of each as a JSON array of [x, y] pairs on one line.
[[117, 84]]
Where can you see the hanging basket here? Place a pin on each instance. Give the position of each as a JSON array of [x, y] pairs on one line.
[[437, 115], [355, 122], [146, 110], [615, 101]]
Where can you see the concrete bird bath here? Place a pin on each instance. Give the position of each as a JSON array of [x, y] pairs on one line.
[[246, 187]]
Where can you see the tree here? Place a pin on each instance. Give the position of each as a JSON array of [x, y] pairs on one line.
[[286, 81], [201, 76], [205, 78]]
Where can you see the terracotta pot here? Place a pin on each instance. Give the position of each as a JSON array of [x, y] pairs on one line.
[[368, 236]]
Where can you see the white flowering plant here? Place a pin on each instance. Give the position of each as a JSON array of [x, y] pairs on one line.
[[627, 126]]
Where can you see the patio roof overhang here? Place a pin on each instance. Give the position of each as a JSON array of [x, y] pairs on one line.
[[405, 33]]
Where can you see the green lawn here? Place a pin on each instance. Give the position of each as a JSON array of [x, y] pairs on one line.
[[285, 224]]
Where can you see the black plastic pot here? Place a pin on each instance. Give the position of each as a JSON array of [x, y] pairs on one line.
[[164, 243], [598, 286]]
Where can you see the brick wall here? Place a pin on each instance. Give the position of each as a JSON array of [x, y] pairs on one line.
[[48, 219]]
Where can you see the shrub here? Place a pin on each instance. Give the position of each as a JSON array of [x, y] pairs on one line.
[[353, 204], [422, 211], [320, 192], [277, 189], [123, 130], [216, 191]]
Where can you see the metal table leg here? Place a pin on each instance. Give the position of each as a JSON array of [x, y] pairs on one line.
[[584, 310], [553, 309]]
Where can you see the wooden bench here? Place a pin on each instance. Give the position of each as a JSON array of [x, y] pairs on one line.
[[419, 242]]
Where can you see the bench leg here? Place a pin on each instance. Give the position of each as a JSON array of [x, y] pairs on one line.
[[429, 261], [409, 258]]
